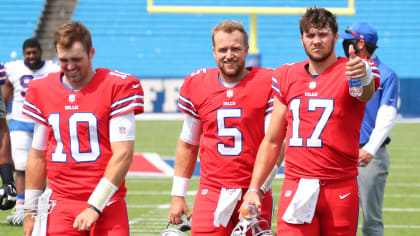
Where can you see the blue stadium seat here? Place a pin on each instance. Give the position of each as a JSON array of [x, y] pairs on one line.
[[18, 19], [172, 45]]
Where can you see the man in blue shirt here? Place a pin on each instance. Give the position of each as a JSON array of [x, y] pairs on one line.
[[380, 116]]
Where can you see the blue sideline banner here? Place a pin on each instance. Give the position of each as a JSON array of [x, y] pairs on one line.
[[161, 96]]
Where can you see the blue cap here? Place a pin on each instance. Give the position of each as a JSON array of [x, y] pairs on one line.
[[361, 30]]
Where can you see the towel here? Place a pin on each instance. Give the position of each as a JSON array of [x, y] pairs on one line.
[[228, 199], [44, 208], [302, 207]]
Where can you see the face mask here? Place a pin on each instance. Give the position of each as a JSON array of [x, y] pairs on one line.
[[346, 45]]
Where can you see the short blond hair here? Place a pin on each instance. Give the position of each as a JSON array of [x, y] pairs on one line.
[[230, 26], [69, 33]]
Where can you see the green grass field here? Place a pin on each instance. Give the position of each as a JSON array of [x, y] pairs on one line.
[[149, 198]]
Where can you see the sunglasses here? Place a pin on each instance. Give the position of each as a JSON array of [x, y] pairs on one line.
[[347, 30]]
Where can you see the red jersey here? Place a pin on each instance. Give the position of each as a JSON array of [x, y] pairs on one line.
[[78, 127], [232, 120], [323, 121]]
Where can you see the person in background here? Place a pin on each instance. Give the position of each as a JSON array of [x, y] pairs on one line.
[[321, 120], [8, 195], [83, 142], [380, 116], [227, 111], [19, 74]]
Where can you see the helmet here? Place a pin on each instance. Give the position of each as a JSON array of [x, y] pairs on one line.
[[176, 231], [252, 225], [172, 232]]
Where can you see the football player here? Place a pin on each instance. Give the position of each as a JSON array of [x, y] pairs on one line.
[[321, 121], [19, 74], [83, 141], [7, 190], [227, 109]]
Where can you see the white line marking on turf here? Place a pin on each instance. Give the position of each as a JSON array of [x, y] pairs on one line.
[[404, 175], [193, 193], [142, 206], [402, 209], [402, 226], [402, 195], [403, 184], [148, 180], [404, 167], [149, 219]]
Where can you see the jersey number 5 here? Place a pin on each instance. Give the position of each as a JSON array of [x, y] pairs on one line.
[[225, 131], [313, 104]]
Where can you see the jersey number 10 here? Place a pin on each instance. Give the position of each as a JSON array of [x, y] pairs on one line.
[[78, 117]]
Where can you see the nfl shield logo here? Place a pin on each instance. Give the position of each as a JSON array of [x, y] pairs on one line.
[[229, 93], [312, 85], [72, 98]]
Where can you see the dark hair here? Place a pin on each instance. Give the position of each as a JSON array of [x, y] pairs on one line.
[[318, 18], [31, 43], [69, 33], [370, 48], [229, 26]]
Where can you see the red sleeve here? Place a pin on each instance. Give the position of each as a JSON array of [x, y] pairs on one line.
[[128, 94], [278, 83], [185, 101]]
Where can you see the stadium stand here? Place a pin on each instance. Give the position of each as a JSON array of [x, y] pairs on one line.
[[154, 45], [18, 19]]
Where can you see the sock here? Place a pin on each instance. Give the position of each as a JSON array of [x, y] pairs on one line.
[[20, 199]]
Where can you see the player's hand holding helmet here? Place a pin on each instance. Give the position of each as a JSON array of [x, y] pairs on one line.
[[176, 230], [8, 196], [251, 222]]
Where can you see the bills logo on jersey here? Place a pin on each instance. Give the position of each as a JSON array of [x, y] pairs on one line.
[[312, 85], [72, 98], [229, 93]]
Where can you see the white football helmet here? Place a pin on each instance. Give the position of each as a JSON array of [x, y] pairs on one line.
[[175, 230], [253, 226]]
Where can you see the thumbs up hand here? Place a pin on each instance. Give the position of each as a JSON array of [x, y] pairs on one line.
[[355, 68]]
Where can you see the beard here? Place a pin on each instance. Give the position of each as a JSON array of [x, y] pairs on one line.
[[232, 71], [320, 57], [35, 65]]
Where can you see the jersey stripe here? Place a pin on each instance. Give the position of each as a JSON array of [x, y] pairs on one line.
[[270, 104], [33, 112], [121, 106], [186, 106], [127, 100]]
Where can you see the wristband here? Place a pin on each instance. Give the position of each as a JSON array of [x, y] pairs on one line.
[[369, 76], [95, 209], [179, 186], [102, 193], [31, 199], [252, 190]]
